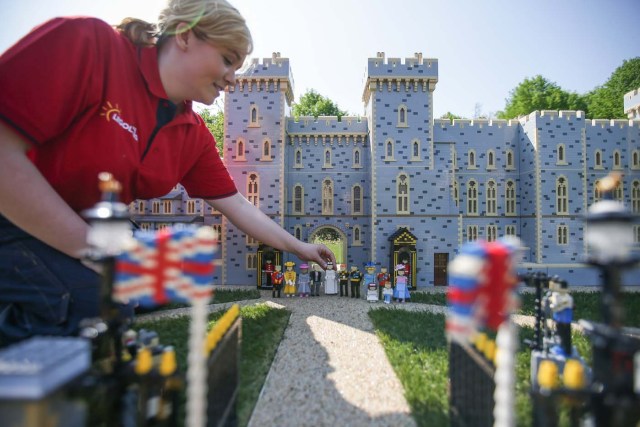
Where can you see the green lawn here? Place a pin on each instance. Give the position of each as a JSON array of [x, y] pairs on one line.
[[416, 346], [262, 330]]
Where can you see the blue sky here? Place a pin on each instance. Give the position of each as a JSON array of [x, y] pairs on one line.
[[484, 48]]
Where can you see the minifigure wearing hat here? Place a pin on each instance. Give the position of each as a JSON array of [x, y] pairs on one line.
[[303, 281], [383, 278], [289, 279], [343, 278], [330, 280], [277, 277], [401, 292]]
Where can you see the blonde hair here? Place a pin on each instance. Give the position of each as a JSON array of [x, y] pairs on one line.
[[215, 21]]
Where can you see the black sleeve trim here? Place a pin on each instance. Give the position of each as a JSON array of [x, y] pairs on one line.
[[19, 130]]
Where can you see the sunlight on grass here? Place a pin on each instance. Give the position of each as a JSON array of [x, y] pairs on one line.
[[416, 346], [262, 330]]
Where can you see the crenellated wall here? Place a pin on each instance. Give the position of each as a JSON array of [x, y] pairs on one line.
[[414, 171]]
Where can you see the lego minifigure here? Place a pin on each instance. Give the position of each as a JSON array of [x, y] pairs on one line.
[[383, 278], [289, 279], [407, 272], [316, 280], [303, 281], [343, 276], [401, 292], [387, 293], [330, 280], [267, 270], [561, 305], [355, 278], [371, 291], [277, 277]]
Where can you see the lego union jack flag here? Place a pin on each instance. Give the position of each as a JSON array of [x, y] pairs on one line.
[[169, 265]]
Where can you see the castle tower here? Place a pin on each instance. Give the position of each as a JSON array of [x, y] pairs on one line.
[[409, 191], [254, 111]]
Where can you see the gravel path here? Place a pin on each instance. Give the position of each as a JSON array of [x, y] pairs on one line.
[[330, 369]]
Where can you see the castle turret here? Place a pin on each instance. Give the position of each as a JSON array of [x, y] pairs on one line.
[[254, 136]]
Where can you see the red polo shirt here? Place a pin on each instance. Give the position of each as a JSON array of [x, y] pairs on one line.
[[91, 101]]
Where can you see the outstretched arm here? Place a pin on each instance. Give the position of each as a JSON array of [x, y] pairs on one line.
[[255, 223]]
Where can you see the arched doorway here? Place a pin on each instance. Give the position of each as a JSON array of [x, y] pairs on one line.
[[334, 239]]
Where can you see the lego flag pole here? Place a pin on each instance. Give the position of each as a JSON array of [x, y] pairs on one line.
[[196, 371]]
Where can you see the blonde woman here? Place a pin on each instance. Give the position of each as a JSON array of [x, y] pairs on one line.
[[80, 97]]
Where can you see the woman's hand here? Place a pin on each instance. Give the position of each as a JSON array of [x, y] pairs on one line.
[[319, 254]]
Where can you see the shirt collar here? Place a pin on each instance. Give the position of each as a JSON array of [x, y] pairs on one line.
[[148, 63]]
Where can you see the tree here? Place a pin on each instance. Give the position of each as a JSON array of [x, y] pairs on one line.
[[215, 123], [314, 104], [538, 93], [449, 115], [606, 101]]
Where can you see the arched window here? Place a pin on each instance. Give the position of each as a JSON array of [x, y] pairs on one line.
[[254, 117], [356, 197], [240, 150], [456, 192], [562, 196], [619, 192], [492, 233], [155, 207], [491, 159], [563, 234], [472, 233], [635, 159], [596, 191], [510, 230], [298, 158], [327, 197], [141, 207], [251, 261], [402, 193], [635, 196], [297, 231], [167, 207], [472, 159], [252, 189], [510, 160], [266, 150], [402, 116], [617, 160], [357, 236], [298, 199], [491, 197], [510, 197], [191, 207], [415, 150], [472, 197], [389, 149], [561, 160], [218, 230], [327, 158], [356, 158], [597, 159]]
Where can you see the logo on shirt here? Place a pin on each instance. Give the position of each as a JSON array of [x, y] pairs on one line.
[[113, 114]]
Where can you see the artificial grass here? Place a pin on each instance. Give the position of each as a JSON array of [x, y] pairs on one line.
[[262, 330], [587, 305], [416, 347], [219, 296]]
